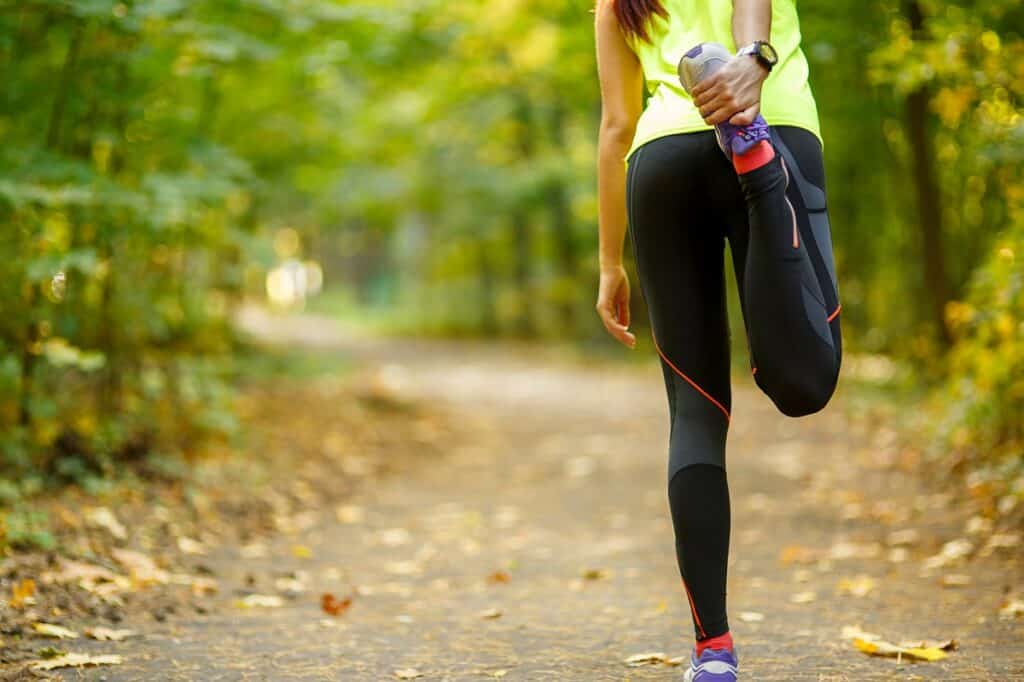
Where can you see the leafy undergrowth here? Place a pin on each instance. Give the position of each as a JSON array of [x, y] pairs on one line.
[[136, 552], [948, 442]]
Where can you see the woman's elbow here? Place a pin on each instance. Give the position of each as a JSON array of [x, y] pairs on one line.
[[618, 131]]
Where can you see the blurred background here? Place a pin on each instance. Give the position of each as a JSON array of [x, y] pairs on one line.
[[421, 167]]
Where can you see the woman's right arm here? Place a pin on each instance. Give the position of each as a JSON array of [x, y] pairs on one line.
[[621, 84]]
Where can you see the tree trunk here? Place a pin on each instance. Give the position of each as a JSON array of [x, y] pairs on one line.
[[929, 197]]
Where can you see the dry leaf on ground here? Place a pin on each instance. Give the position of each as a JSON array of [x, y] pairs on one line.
[[751, 616], [498, 577], [859, 586], [798, 554], [652, 658], [22, 593], [874, 645], [333, 606], [803, 597], [143, 569], [257, 601], [490, 614], [101, 517], [1013, 608], [952, 552], [955, 580], [408, 674], [108, 634], [76, 661], [56, 631], [902, 538], [595, 574]]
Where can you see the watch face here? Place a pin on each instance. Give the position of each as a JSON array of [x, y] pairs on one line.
[[768, 53]]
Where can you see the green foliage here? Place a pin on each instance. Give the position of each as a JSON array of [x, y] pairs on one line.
[[437, 159], [985, 390]]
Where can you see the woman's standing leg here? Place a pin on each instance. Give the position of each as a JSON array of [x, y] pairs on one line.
[[679, 248]]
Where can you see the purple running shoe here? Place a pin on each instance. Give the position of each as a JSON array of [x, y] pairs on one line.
[[714, 665], [701, 62]]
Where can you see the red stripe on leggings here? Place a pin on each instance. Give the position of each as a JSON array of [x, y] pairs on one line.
[[833, 315], [691, 381], [693, 610]]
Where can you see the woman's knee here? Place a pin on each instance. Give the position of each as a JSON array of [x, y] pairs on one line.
[[799, 394]]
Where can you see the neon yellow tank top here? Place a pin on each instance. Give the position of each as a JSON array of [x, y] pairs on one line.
[[786, 98]]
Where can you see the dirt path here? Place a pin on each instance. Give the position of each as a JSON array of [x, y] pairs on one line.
[[558, 485]]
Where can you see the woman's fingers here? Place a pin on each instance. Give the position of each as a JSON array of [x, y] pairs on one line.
[[614, 327], [747, 116]]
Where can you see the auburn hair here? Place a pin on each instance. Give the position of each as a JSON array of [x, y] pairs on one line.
[[634, 15]]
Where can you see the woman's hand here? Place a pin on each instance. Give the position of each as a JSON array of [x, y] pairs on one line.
[[613, 304], [733, 93]]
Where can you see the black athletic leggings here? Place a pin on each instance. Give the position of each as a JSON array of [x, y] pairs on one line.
[[685, 199]]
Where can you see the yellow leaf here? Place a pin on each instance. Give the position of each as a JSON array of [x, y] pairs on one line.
[[22, 593], [108, 635], [254, 601], [302, 552], [76, 661], [49, 630]]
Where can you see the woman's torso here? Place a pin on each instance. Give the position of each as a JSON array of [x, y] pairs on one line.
[[786, 98]]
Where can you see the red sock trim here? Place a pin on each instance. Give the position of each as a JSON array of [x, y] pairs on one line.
[[719, 642], [762, 153]]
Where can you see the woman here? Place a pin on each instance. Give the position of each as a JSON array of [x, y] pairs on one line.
[[702, 166]]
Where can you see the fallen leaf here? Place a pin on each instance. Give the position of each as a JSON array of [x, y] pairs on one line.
[[108, 634], [751, 616], [93, 579], [902, 538], [498, 673], [874, 645], [349, 513], [498, 577], [143, 569], [101, 517], [1013, 608], [979, 525], [408, 674], [49, 630], [259, 601], [651, 658], [23, 593], [852, 550], [952, 552], [76, 661], [302, 552], [955, 580], [594, 574], [48, 652], [490, 614], [860, 586], [190, 546], [803, 597], [1000, 541], [333, 606], [798, 554]]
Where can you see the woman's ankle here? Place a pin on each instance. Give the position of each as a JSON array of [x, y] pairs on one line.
[[723, 641]]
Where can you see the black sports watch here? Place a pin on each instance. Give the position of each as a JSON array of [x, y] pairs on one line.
[[763, 51]]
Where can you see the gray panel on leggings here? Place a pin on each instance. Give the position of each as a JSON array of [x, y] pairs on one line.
[[699, 432], [814, 196], [816, 316], [823, 237]]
